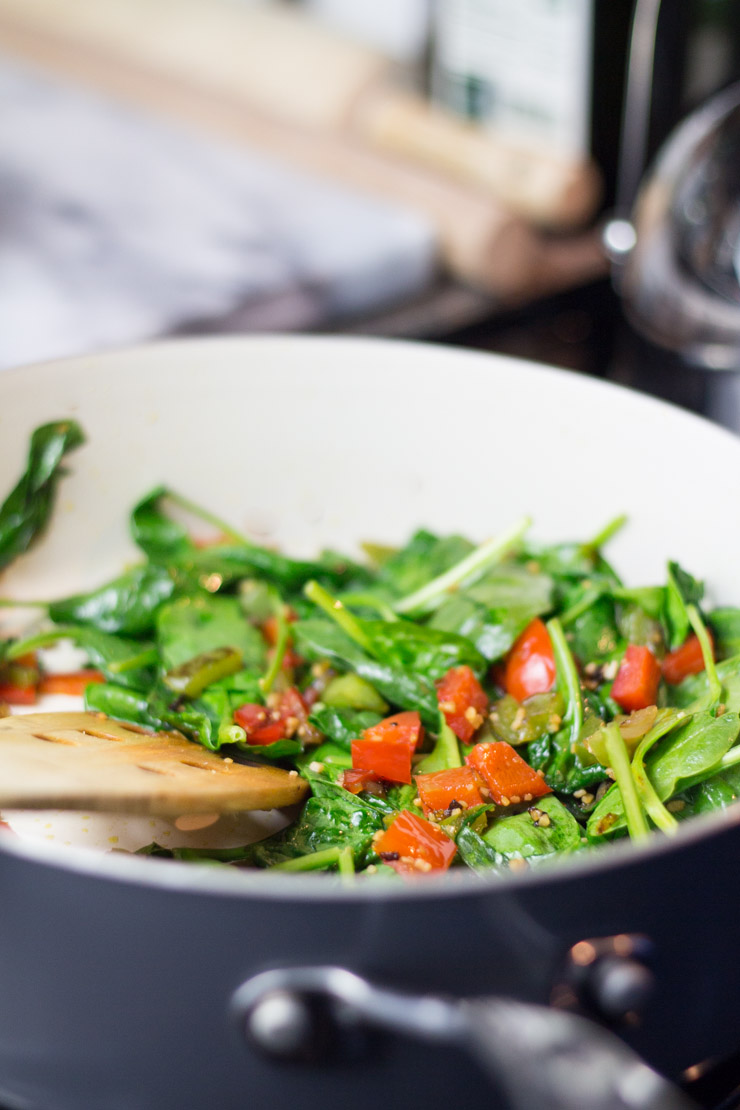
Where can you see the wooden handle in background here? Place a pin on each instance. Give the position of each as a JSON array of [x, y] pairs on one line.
[[281, 63], [546, 190], [482, 242]]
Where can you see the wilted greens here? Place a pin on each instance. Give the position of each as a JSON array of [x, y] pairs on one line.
[[488, 706]]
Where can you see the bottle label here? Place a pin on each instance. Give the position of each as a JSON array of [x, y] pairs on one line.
[[520, 67]]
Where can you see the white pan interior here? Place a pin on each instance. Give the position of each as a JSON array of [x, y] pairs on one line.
[[311, 442]]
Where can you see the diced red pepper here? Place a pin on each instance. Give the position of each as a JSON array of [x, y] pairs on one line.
[[684, 660], [638, 678], [258, 723], [508, 777], [267, 725], [530, 665], [440, 790], [386, 748], [412, 846], [463, 701], [73, 683], [17, 695], [356, 781]]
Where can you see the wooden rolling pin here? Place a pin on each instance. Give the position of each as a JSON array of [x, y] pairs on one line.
[[82, 761], [481, 241], [280, 63]]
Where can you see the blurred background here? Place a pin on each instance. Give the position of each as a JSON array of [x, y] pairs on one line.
[[458, 170]]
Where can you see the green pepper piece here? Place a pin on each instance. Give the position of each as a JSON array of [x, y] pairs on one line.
[[521, 723], [193, 676], [350, 691]]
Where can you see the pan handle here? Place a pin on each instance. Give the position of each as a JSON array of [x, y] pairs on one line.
[[535, 1055]]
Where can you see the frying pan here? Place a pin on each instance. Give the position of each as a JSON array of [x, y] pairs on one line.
[[141, 984]]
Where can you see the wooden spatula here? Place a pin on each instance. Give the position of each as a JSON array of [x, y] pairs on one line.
[[83, 761]]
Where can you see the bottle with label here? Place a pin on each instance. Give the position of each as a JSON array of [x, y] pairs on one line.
[[552, 73]]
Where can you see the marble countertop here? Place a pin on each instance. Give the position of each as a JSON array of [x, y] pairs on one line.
[[117, 228]]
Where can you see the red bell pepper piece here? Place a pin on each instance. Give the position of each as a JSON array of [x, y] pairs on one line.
[[638, 678], [19, 680], [72, 683], [440, 790], [356, 781], [462, 701], [684, 660], [17, 695], [386, 748], [258, 723], [508, 777], [267, 725], [530, 665], [411, 845]]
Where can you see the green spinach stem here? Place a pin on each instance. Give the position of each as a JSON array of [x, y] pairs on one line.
[[487, 555], [619, 762], [209, 518], [314, 861], [338, 613], [660, 816], [569, 685], [601, 538], [148, 658], [281, 645], [715, 686]]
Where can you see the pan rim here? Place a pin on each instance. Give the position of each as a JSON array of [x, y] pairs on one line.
[[189, 878]]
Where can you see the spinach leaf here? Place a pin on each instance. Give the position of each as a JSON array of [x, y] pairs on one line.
[[210, 717], [717, 792], [690, 753], [127, 605], [120, 703], [518, 837], [342, 725], [318, 639], [429, 652], [423, 558], [725, 624], [637, 625], [110, 654], [474, 851], [467, 570], [208, 720], [336, 818], [334, 757], [158, 536], [594, 635], [651, 599], [695, 688], [682, 590], [491, 631], [190, 626], [232, 562], [566, 563], [510, 585], [26, 510]]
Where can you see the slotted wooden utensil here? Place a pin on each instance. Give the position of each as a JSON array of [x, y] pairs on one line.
[[83, 761]]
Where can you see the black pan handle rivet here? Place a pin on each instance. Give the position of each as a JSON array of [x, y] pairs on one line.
[[620, 986], [280, 1024]]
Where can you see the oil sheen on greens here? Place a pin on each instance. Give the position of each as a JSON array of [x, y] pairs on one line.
[[181, 638]]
